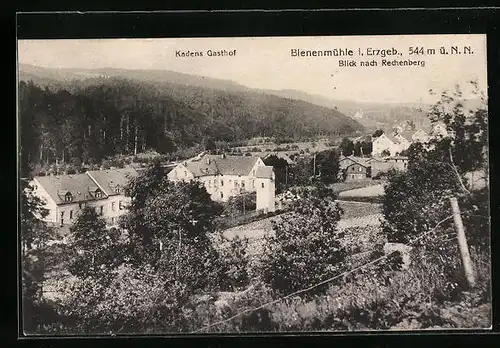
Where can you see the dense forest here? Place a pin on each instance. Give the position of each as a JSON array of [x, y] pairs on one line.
[[88, 120]]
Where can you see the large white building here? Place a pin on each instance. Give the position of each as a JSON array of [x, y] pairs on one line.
[[66, 195], [225, 176]]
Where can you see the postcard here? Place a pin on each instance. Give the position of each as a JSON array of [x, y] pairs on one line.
[[254, 185]]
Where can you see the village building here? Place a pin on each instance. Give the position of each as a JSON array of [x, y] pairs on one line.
[[65, 196], [381, 165], [112, 183], [420, 136], [401, 139], [354, 168], [226, 176], [388, 143]]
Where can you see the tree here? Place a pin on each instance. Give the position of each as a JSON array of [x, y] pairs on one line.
[[377, 133], [347, 147], [281, 171], [139, 189], [301, 171], [34, 237], [328, 166], [98, 250], [357, 149], [172, 223], [367, 148], [415, 201], [305, 248], [34, 232]]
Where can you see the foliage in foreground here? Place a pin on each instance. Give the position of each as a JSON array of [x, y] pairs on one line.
[[305, 247]]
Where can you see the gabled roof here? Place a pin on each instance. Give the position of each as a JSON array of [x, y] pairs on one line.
[[375, 158], [362, 164], [217, 164], [388, 136], [264, 172], [78, 185], [108, 180], [407, 135], [365, 162]]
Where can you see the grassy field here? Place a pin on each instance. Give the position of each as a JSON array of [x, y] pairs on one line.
[[368, 191], [355, 184]]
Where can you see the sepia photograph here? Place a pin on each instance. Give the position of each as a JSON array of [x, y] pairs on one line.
[[253, 185]]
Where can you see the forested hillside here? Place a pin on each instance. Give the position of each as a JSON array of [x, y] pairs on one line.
[[87, 120]]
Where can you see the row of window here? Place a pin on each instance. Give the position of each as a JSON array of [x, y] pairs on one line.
[[99, 209], [68, 197], [235, 183]]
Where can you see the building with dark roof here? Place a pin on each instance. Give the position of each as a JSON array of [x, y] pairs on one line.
[[225, 176], [66, 195]]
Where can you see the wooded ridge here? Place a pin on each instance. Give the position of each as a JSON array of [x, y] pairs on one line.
[[91, 118]]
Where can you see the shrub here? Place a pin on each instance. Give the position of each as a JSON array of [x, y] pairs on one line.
[[236, 260], [305, 248]]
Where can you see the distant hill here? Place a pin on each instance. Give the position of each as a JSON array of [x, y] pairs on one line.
[[374, 115], [90, 114], [57, 76]]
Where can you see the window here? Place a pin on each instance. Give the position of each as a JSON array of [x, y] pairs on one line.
[[253, 183], [242, 183], [101, 210], [120, 205], [221, 195], [113, 207], [98, 194], [235, 183], [185, 173], [68, 197], [80, 205], [222, 182], [262, 185], [112, 221], [71, 214], [117, 190], [62, 214]]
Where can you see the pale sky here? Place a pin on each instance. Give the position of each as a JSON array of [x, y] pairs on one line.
[[267, 63]]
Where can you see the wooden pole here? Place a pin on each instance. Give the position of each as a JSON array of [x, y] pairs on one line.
[[462, 243]]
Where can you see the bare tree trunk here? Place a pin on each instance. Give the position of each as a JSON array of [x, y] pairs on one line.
[[104, 130], [462, 243], [135, 142], [128, 132]]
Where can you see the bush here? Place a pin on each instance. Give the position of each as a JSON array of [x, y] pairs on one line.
[[306, 247], [236, 260]]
